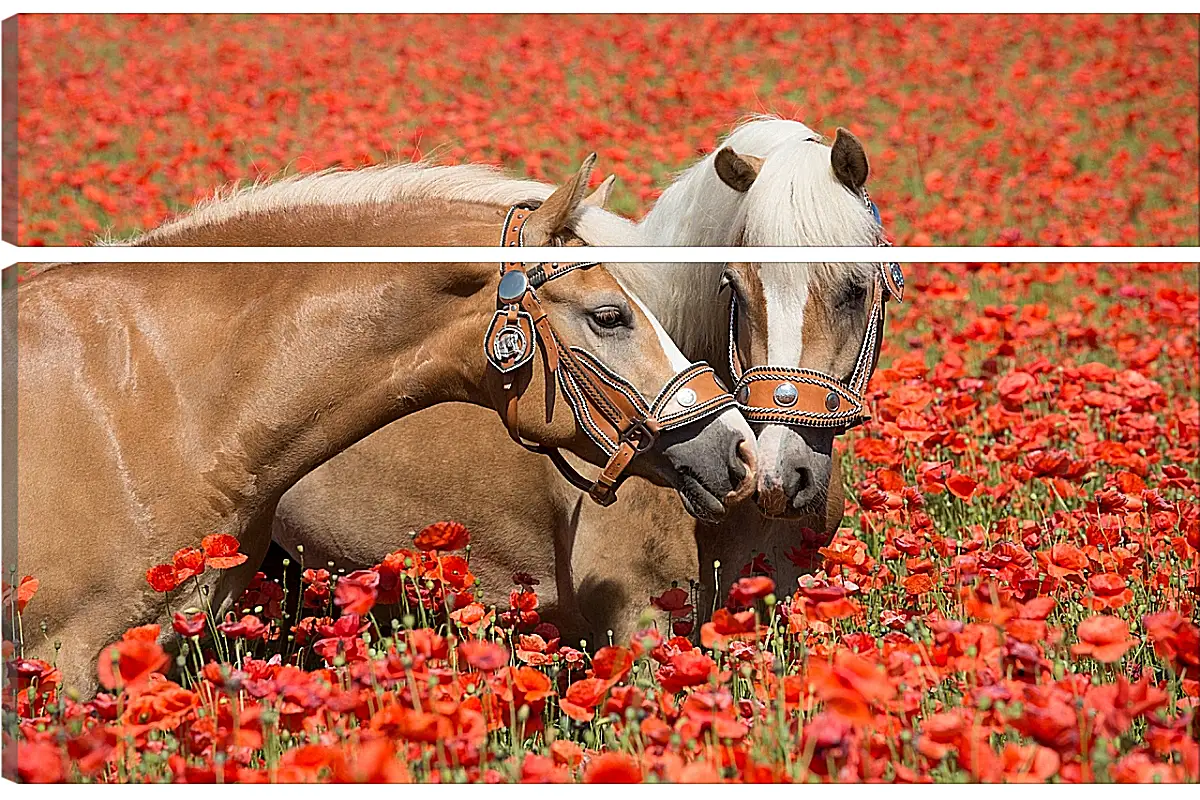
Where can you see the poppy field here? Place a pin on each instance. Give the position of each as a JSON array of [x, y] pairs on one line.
[[981, 129], [1012, 597]]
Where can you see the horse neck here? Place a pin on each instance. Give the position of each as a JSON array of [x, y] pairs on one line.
[[313, 359]]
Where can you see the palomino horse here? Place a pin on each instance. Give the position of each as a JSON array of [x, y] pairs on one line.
[[598, 566], [159, 404]]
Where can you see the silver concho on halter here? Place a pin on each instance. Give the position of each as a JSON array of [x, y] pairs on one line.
[[786, 395], [510, 343], [686, 397]]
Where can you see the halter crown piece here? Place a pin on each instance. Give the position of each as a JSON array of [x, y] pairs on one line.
[[609, 409], [807, 398]]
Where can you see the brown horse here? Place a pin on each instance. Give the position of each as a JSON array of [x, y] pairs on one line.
[[161, 403], [597, 567]]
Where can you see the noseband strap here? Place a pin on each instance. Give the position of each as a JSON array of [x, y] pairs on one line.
[[808, 398], [607, 407]]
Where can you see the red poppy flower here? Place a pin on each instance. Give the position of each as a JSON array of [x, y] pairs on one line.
[[875, 499], [1063, 560], [525, 580], [961, 486], [189, 626], [442, 536], [673, 601], [188, 563], [727, 626], [919, 584], [1175, 639], [90, 750], [221, 551], [612, 664], [39, 762], [747, 590], [849, 685], [644, 641], [582, 697], [1027, 764], [248, 627], [612, 767], [1110, 590], [533, 684], [539, 769], [688, 668], [484, 656], [473, 616], [456, 573], [1103, 638], [162, 578], [129, 663], [26, 589], [144, 633], [356, 593], [566, 753], [1016, 388], [1115, 706]]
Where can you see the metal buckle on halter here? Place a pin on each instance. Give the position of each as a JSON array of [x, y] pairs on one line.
[[642, 434]]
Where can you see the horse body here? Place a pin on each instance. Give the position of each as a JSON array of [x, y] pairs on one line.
[[160, 403], [596, 566]]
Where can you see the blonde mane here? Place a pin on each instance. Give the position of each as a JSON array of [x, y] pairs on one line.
[[381, 185], [795, 201]]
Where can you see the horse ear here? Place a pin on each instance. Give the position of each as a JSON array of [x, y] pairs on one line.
[[849, 161], [600, 196], [552, 215], [737, 171]]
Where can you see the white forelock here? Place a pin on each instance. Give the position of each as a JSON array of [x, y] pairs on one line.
[[795, 201]]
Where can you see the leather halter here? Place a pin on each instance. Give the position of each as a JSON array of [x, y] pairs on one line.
[[609, 409], [807, 398]]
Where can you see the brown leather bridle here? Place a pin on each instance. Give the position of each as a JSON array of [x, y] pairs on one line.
[[609, 409], [807, 398]]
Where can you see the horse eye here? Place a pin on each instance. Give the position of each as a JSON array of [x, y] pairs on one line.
[[608, 317]]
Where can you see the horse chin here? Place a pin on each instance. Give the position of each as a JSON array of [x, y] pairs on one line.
[[776, 505], [698, 501]]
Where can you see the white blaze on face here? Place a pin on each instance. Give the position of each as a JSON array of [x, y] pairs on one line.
[[676, 358], [785, 288]]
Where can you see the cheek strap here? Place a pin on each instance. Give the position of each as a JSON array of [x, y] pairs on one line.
[[607, 407]]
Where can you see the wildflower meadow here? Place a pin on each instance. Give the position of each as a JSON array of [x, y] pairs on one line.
[[1012, 597], [981, 129]]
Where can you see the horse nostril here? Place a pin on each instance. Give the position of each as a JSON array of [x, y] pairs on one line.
[[805, 489], [806, 479]]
